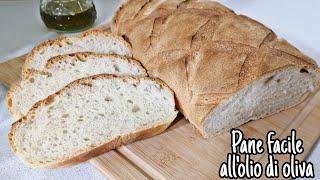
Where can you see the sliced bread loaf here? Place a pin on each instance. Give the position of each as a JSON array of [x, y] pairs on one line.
[[91, 41], [225, 69], [91, 116], [62, 70]]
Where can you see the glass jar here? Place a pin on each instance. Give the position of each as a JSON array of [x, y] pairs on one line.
[[68, 15]]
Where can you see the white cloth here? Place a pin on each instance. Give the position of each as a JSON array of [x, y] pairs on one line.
[[3, 90]]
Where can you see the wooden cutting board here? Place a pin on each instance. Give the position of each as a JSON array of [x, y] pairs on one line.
[[179, 153]]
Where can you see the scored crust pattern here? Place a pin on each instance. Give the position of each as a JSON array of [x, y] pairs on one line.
[[202, 50]]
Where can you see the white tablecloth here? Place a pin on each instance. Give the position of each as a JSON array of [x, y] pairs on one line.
[[20, 28]]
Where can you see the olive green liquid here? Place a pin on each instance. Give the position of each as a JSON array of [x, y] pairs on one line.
[[70, 18]]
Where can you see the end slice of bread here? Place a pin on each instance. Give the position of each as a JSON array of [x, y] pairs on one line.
[[91, 116], [91, 41], [62, 70], [269, 95]]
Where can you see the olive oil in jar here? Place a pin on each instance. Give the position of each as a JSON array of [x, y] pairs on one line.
[[68, 15]]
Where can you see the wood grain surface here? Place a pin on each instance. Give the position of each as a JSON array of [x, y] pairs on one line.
[[179, 153], [10, 71]]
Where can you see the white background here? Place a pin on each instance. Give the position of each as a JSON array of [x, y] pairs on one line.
[[298, 21]]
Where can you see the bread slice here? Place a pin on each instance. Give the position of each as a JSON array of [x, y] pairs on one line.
[[62, 70], [270, 94], [91, 41], [216, 61], [92, 116]]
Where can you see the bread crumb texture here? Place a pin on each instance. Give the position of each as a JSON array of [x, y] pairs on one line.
[[81, 118], [97, 41], [64, 69]]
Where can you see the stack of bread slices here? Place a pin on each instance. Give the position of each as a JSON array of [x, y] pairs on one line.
[[82, 96]]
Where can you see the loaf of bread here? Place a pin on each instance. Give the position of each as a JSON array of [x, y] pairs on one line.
[[91, 41], [225, 69], [62, 70], [91, 116]]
